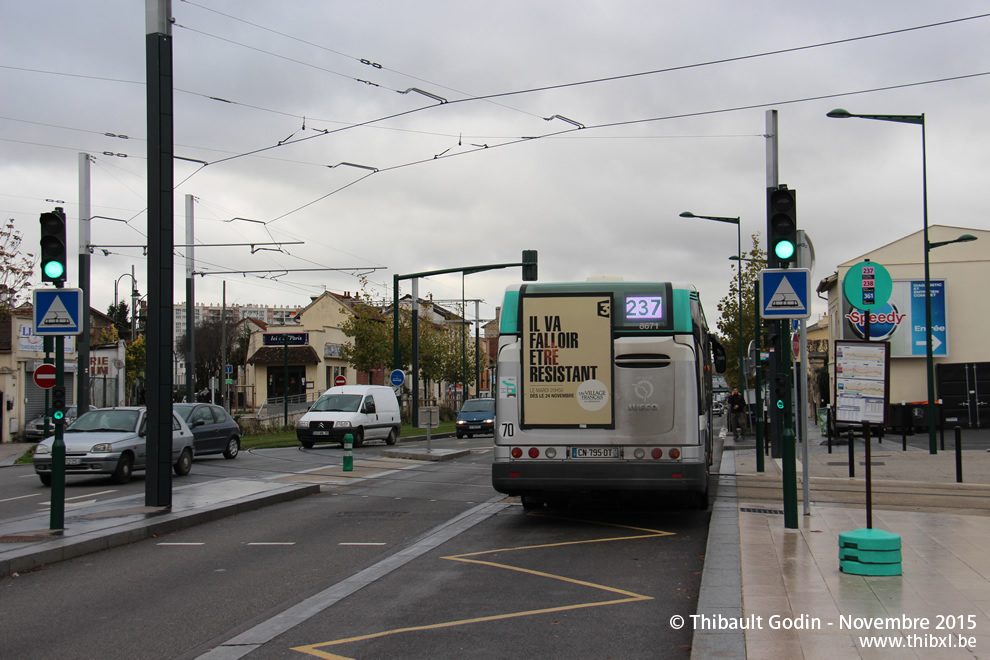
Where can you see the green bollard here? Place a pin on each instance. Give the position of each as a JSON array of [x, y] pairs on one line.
[[348, 455]]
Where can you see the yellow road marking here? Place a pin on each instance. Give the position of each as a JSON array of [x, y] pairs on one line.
[[316, 649]]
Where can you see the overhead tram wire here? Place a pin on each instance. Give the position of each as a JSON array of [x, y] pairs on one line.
[[684, 67], [545, 88], [615, 78], [360, 60], [630, 122]]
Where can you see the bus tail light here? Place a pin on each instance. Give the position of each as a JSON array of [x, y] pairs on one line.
[[534, 452], [657, 453], [639, 453], [551, 452], [516, 452], [674, 453]]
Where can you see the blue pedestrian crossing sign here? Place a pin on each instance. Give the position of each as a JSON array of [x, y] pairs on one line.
[[785, 293], [58, 311]]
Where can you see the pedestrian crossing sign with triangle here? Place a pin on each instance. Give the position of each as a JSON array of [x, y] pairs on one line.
[[785, 293], [58, 311]]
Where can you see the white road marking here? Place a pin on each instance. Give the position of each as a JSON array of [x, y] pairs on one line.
[[79, 497], [360, 544], [181, 544], [273, 543], [249, 640], [20, 497]]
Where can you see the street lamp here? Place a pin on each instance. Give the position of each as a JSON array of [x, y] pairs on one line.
[[134, 294], [732, 221], [839, 113]]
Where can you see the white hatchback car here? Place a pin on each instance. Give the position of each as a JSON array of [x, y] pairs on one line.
[[112, 441]]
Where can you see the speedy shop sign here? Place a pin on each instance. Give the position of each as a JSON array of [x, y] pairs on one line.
[[902, 320]]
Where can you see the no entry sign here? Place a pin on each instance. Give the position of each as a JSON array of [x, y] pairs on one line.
[[339, 381], [44, 376]]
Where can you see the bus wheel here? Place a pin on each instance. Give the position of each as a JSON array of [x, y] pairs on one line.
[[699, 500], [530, 503]]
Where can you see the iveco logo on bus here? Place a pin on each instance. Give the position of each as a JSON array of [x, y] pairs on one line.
[[643, 390]]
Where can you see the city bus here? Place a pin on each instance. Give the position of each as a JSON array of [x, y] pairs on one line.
[[604, 387]]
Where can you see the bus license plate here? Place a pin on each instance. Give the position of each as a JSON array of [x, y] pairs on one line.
[[594, 452]]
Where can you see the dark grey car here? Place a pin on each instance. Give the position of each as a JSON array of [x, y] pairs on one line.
[[214, 430]]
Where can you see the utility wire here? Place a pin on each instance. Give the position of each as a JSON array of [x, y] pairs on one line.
[[699, 113], [361, 60]]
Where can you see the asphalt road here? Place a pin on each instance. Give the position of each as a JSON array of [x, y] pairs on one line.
[[597, 579]]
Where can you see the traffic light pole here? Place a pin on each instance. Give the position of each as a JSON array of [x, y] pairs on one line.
[[57, 513], [529, 266], [787, 438], [757, 386]]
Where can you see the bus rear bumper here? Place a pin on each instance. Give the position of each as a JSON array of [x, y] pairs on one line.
[[538, 477]]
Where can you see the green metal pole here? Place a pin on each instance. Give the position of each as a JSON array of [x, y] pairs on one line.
[[787, 438], [759, 394], [929, 352], [57, 513], [285, 382], [396, 356], [47, 342]]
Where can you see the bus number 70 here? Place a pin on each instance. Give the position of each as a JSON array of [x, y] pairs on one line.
[[508, 430]]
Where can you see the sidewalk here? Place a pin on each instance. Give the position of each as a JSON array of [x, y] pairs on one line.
[[758, 573]]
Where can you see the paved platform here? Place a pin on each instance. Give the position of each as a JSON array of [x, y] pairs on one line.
[[779, 591]]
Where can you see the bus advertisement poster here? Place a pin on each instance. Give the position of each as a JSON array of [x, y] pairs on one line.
[[567, 360]]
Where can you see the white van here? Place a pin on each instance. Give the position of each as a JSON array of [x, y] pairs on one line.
[[367, 412]]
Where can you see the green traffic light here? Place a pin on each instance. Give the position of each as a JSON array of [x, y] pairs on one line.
[[58, 415], [780, 404], [784, 249], [54, 270]]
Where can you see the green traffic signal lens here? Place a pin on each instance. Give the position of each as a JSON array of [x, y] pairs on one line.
[[59, 415], [784, 249], [54, 270], [780, 404]]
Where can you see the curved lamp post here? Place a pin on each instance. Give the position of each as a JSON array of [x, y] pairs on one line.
[[839, 113], [134, 294], [732, 221]]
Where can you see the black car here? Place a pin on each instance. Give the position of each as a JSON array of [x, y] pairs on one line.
[[214, 430], [476, 416]]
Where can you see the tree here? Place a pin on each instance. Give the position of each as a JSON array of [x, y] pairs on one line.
[[16, 269], [371, 329], [137, 360], [440, 355], [209, 349], [109, 335], [119, 315], [728, 308]]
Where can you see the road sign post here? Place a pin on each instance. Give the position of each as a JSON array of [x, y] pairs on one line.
[[57, 514]]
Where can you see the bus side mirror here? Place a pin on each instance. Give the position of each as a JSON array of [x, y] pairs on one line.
[[718, 353]]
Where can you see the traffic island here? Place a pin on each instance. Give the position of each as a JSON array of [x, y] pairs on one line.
[[424, 454]]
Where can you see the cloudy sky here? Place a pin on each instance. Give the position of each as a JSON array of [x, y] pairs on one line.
[[660, 108]]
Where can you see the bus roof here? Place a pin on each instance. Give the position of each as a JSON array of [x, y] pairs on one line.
[[682, 294]]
